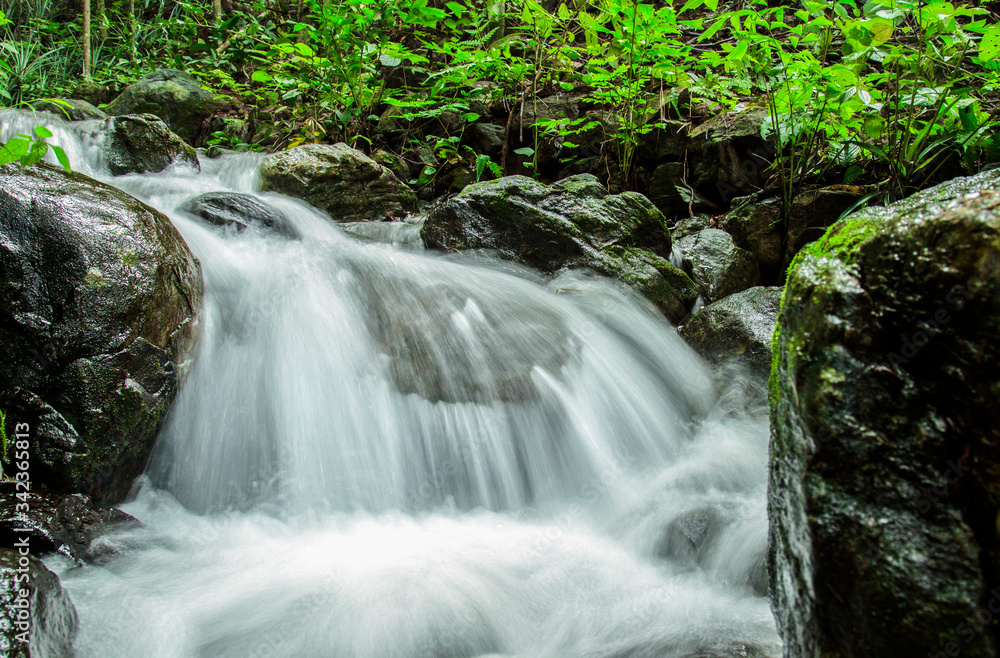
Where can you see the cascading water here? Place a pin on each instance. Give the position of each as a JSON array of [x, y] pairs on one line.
[[383, 452]]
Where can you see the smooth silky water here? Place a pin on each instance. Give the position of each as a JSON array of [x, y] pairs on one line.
[[379, 451]]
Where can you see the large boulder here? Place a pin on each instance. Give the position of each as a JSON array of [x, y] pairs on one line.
[[571, 223], [37, 619], [338, 179], [239, 212], [718, 266], [736, 328], [99, 296], [545, 227], [885, 456], [141, 144], [173, 96]]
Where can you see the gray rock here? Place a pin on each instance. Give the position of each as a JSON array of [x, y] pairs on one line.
[[485, 138], [338, 179], [99, 296], [141, 144], [52, 619], [757, 227], [173, 96], [572, 223], [71, 109], [689, 226], [737, 327], [239, 211], [885, 457], [718, 266]]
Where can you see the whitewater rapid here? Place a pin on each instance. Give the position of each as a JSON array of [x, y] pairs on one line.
[[380, 451]]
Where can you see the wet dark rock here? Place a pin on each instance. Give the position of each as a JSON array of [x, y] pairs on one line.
[[815, 211], [52, 619], [239, 211], [885, 457], [99, 296], [67, 523], [727, 156], [338, 179], [717, 266], [737, 327], [141, 144], [71, 109], [485, 138], [668, 288], [571, 223], [173, 96], [757, 227], [666, 190], [689, 226], [546, 227]]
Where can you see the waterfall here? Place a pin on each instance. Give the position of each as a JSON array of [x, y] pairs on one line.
[[381, 451]]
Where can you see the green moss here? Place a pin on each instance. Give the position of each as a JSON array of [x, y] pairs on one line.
[[94, 279]]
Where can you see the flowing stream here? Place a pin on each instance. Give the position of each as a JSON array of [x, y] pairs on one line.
[[380, 451]]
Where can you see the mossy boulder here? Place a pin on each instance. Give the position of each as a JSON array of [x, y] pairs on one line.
[[98, 302], [668, 288], [343, 181], [571, 223], [51, 621], [718, 266], [71, 109], [885, 456], [142, 144], [173, 96], [736, 328], [545, 227]]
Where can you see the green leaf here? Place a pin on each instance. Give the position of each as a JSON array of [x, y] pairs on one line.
[[989, 45], [455, 8], [389, 60], [14, 149], [37, 152], [526, 151], [62, 158], [852, 174], [261, 76], [42, 132]]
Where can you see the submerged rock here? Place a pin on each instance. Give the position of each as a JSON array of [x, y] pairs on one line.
[[173, 96], [48, 612], [885, 461], [718, 266], [239, 211], [737, 327], [338, 179], [56, 522], [142, 144], [99, 296]]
